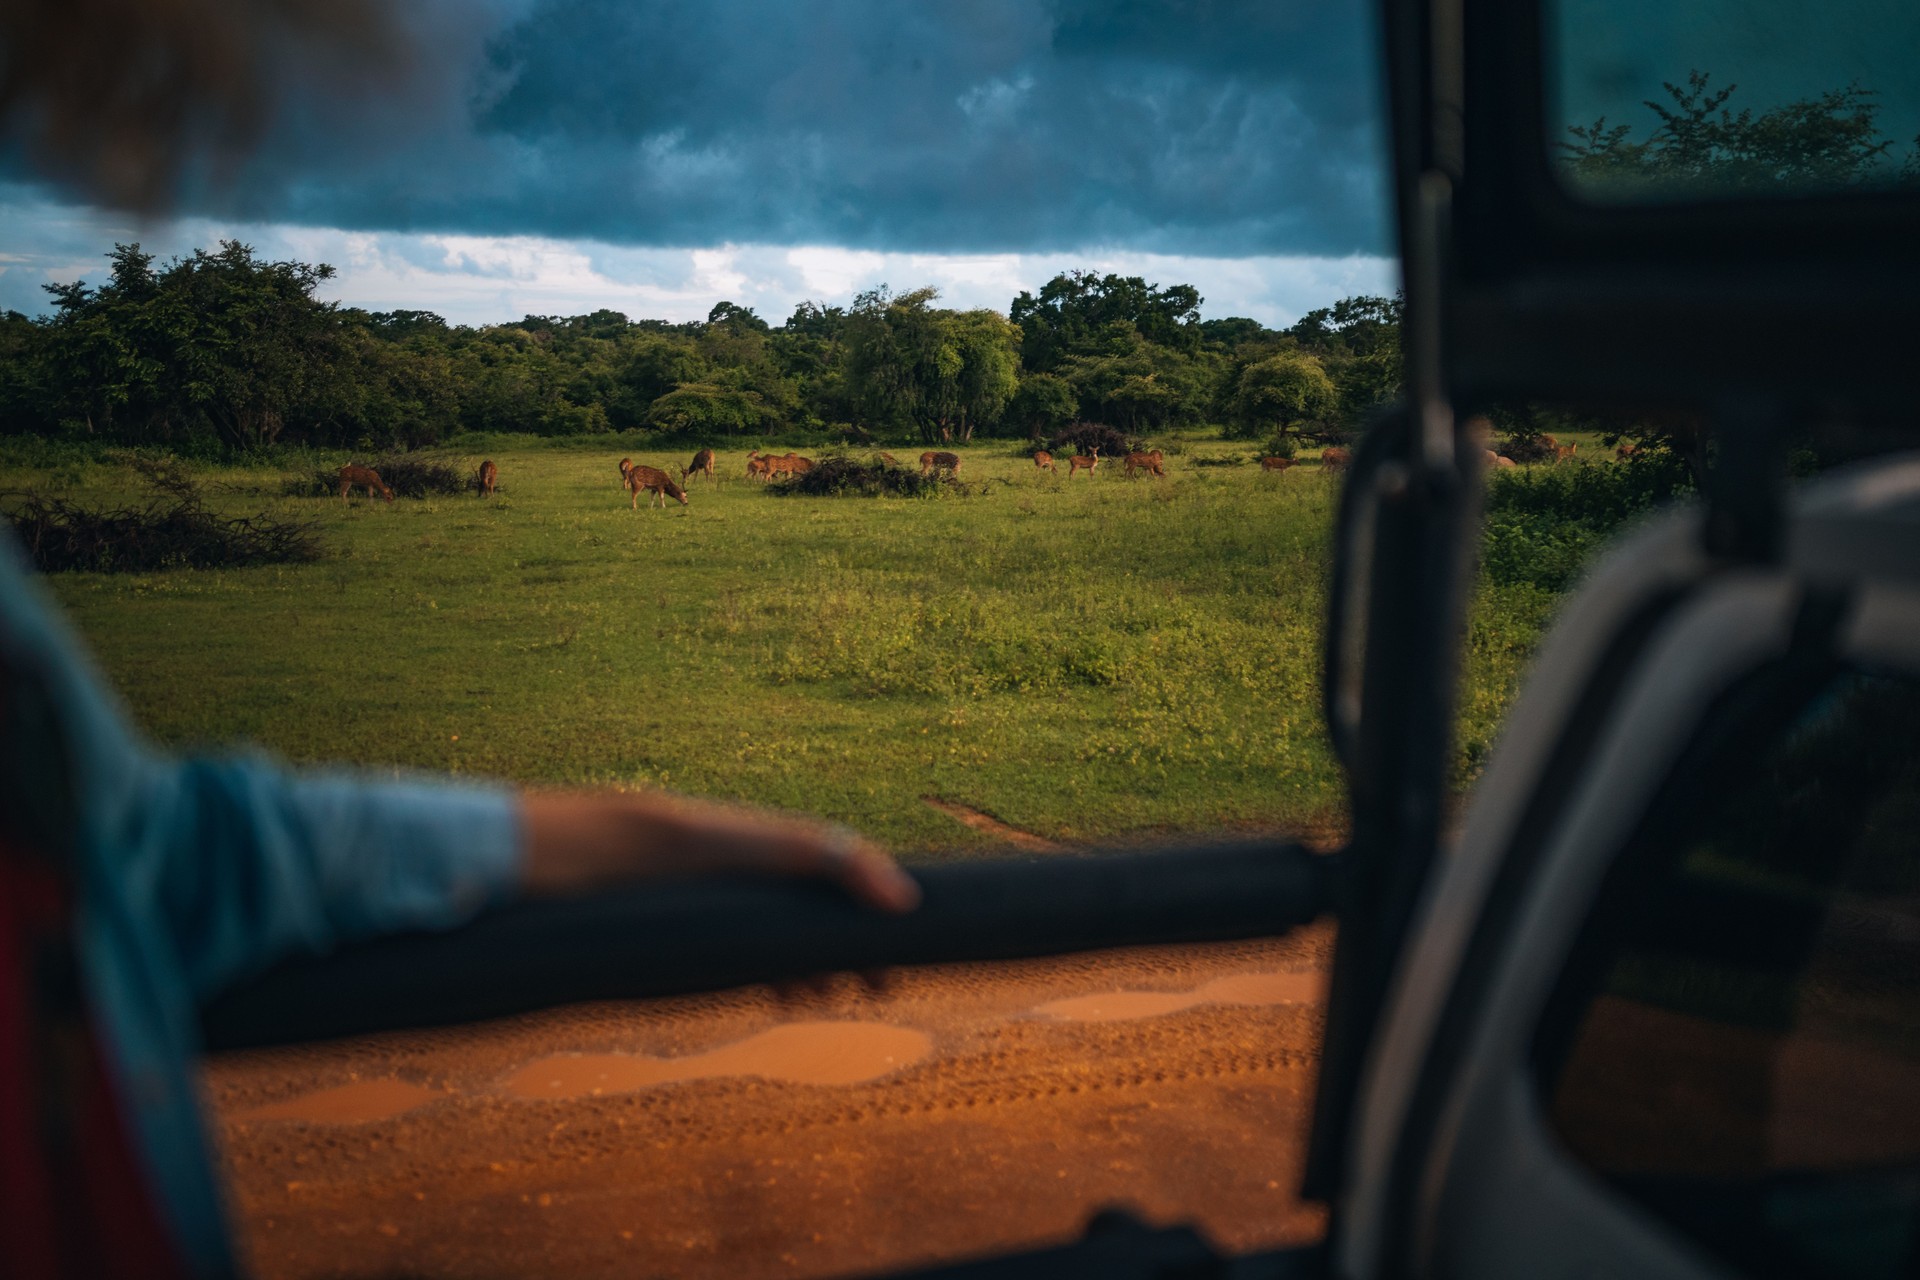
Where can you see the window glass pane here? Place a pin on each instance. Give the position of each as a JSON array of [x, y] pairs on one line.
[[1654, 100], [1750, 1066]]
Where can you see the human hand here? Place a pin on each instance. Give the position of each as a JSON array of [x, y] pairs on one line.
[[579, 841]]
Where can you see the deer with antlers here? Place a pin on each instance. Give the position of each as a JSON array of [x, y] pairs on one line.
[[486, 478], [654, 481], [1081, 462], [702, 462], [353, 476]]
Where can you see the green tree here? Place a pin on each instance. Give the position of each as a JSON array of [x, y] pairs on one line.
[[1283, 394], [705, 409], [1043, 404], [1083, 313]]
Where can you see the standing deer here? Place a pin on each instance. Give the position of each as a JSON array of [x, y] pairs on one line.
[[488, 476], [626, 465], [1564, 452], [888, 459], [1275, 464], [702, 461], [1081, 462], [353, 474], [1334, 460], [1151, 463], [1626, 450], [654, 481], [933, 461], [1043, 461], [759, 468]]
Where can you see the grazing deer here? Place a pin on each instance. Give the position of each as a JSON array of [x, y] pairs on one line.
[[1154, 462], [1565, 452], [654, 481], [1043, 461], [626, 465], [353, 475], [1138, 462], [889, 459], [1334, 459], [488, 476], [1275, 463], [1080, 462], [702, 461], [932, 461], [797, 465]]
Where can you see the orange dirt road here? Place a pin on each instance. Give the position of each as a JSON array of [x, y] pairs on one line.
[[963, 1111]]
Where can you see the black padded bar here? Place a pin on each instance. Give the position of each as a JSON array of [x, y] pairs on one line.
[[709, 935]]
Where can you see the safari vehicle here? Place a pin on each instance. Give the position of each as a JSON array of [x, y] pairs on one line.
[[1651, 1006]]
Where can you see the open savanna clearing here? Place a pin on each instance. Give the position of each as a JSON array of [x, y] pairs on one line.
[[1081, 658]]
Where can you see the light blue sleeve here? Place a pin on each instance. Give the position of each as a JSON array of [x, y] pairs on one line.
[[248, 862]]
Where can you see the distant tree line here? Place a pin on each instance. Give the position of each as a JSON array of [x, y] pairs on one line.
[[222, 350]]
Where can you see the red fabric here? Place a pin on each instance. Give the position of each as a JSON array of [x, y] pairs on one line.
[[73, 1202]]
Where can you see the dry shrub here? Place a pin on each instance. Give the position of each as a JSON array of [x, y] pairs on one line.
[[407, 476], [1085, 437], [841, 477], [172, 530]]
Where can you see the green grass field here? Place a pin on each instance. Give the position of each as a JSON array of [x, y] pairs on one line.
[[1086, 659]]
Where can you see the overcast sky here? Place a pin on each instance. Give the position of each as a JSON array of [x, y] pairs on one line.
[[655, 156]]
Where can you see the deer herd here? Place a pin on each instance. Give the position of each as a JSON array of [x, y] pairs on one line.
[[659, 486]]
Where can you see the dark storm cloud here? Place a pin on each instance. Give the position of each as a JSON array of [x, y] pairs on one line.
[[1225, 127]]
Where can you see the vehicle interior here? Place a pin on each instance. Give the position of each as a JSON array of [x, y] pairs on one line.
[[1646, 999]]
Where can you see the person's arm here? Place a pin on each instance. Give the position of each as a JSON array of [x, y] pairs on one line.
[[580, 841], [253, 863]]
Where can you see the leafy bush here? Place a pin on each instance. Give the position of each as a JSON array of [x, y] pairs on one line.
[[408, 476], [1544, 526], [1527, 447], [173, 530], [1085, 437], [841, 477]]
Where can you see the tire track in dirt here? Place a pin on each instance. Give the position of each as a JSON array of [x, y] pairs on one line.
[[988, 825]]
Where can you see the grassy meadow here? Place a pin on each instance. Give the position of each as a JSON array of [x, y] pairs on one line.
[[1085, 659]]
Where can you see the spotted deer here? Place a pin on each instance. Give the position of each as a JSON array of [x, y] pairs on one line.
[[1334, 460], [654, 481], [702, 462], [1275, 463], [489, 475], [933, 460], [626, 465], [1043, 461], [1151, 463], [1081, 462], [353, 475]]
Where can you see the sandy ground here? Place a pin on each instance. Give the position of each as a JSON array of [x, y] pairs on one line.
[[962, 1111]]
